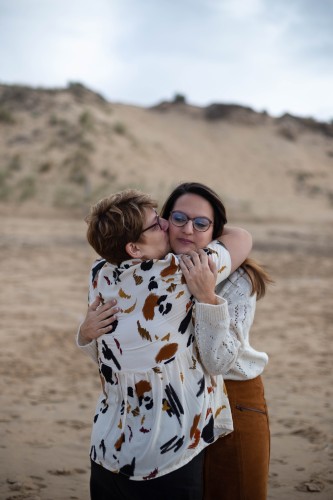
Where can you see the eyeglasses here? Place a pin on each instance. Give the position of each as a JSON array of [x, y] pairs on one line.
[[162, 223], [180, 219]]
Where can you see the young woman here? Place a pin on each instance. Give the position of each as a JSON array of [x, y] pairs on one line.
[[159, 408], [236, 467]]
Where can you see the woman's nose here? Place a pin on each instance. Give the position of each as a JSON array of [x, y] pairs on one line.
[[188, 227]]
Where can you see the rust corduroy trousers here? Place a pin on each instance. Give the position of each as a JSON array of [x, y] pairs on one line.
[[236, 466]]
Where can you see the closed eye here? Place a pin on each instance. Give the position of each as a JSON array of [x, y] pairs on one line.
[[179, 218], [202, 223]]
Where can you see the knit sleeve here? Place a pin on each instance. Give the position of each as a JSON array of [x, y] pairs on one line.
[[218, 347], [241, 306], [89, 349]]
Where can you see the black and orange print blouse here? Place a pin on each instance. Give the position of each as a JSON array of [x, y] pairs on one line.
[[159, 407]]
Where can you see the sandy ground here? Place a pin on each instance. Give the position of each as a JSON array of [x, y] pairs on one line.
[[49, 388]]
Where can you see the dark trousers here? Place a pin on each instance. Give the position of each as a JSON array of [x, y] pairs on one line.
[[185, 483], [236, 466]]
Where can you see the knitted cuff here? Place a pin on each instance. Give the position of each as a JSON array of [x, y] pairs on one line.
[[212, 313], [80, 342]]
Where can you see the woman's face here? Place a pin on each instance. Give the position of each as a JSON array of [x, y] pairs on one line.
[[185, 239], [154, 243]]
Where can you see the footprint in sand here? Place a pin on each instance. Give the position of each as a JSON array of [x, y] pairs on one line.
[[291, 422], [310, 486], [26, 487], [66, 472], [311, 434], [74, 424]]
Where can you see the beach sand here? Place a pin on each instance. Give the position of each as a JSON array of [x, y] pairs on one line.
[[49, 388]]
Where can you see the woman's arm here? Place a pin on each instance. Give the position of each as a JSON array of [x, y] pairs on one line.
[[98, 321], [236, 246], [89, 349], [238, 242], [217, 345]]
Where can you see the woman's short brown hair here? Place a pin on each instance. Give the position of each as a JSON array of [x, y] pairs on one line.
[[115, 221]]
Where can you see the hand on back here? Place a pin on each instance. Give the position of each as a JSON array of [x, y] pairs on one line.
[[98, 320]]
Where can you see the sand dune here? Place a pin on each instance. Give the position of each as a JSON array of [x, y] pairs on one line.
[[60, 150]]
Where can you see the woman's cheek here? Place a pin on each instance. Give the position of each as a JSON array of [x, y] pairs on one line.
[[172, 235]]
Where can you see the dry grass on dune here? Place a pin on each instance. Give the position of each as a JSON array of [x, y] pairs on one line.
[[62, 149]]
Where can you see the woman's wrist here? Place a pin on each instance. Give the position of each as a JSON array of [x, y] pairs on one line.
[[211, 300], [81, 340], [84, 334]]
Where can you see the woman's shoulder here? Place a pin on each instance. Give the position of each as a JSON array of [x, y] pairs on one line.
[[240, 275], [238, 281], [96, 267], [166, 267]]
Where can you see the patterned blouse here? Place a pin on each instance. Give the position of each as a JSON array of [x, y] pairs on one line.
[[159, 407]]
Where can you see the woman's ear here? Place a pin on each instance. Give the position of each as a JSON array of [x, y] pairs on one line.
[[133, 250]]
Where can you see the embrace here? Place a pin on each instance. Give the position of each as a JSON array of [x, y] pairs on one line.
[[182, 412]]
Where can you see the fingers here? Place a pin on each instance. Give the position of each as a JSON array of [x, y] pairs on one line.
[[212, 265], [106, 326], [99, 321], [190, 260], [183, 267], [94, 305], [203, 257], [195, 259], [104, 310], [110, 315]]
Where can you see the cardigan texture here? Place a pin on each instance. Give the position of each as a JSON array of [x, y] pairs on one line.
[[222, 332]]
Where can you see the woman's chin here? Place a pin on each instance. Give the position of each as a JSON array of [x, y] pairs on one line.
[[180, 248]]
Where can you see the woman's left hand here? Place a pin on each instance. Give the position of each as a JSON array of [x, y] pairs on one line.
[[200, 273]]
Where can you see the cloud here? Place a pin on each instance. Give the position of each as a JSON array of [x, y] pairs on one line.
[[266, 54], [49, 43]]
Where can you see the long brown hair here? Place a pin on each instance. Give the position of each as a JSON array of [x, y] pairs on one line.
[[258, 275]]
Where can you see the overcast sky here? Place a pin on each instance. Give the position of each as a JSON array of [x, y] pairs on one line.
[[273, 55]]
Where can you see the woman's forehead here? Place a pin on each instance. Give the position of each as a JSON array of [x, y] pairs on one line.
[[194, 205]]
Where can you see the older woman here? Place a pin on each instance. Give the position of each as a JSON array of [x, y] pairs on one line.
[[159, 408], [236, 467]]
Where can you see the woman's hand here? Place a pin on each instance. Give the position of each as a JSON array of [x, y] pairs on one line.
[[200, 273], [98, 320]]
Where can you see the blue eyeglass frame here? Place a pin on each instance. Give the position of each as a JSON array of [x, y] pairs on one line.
[[192, 219]]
